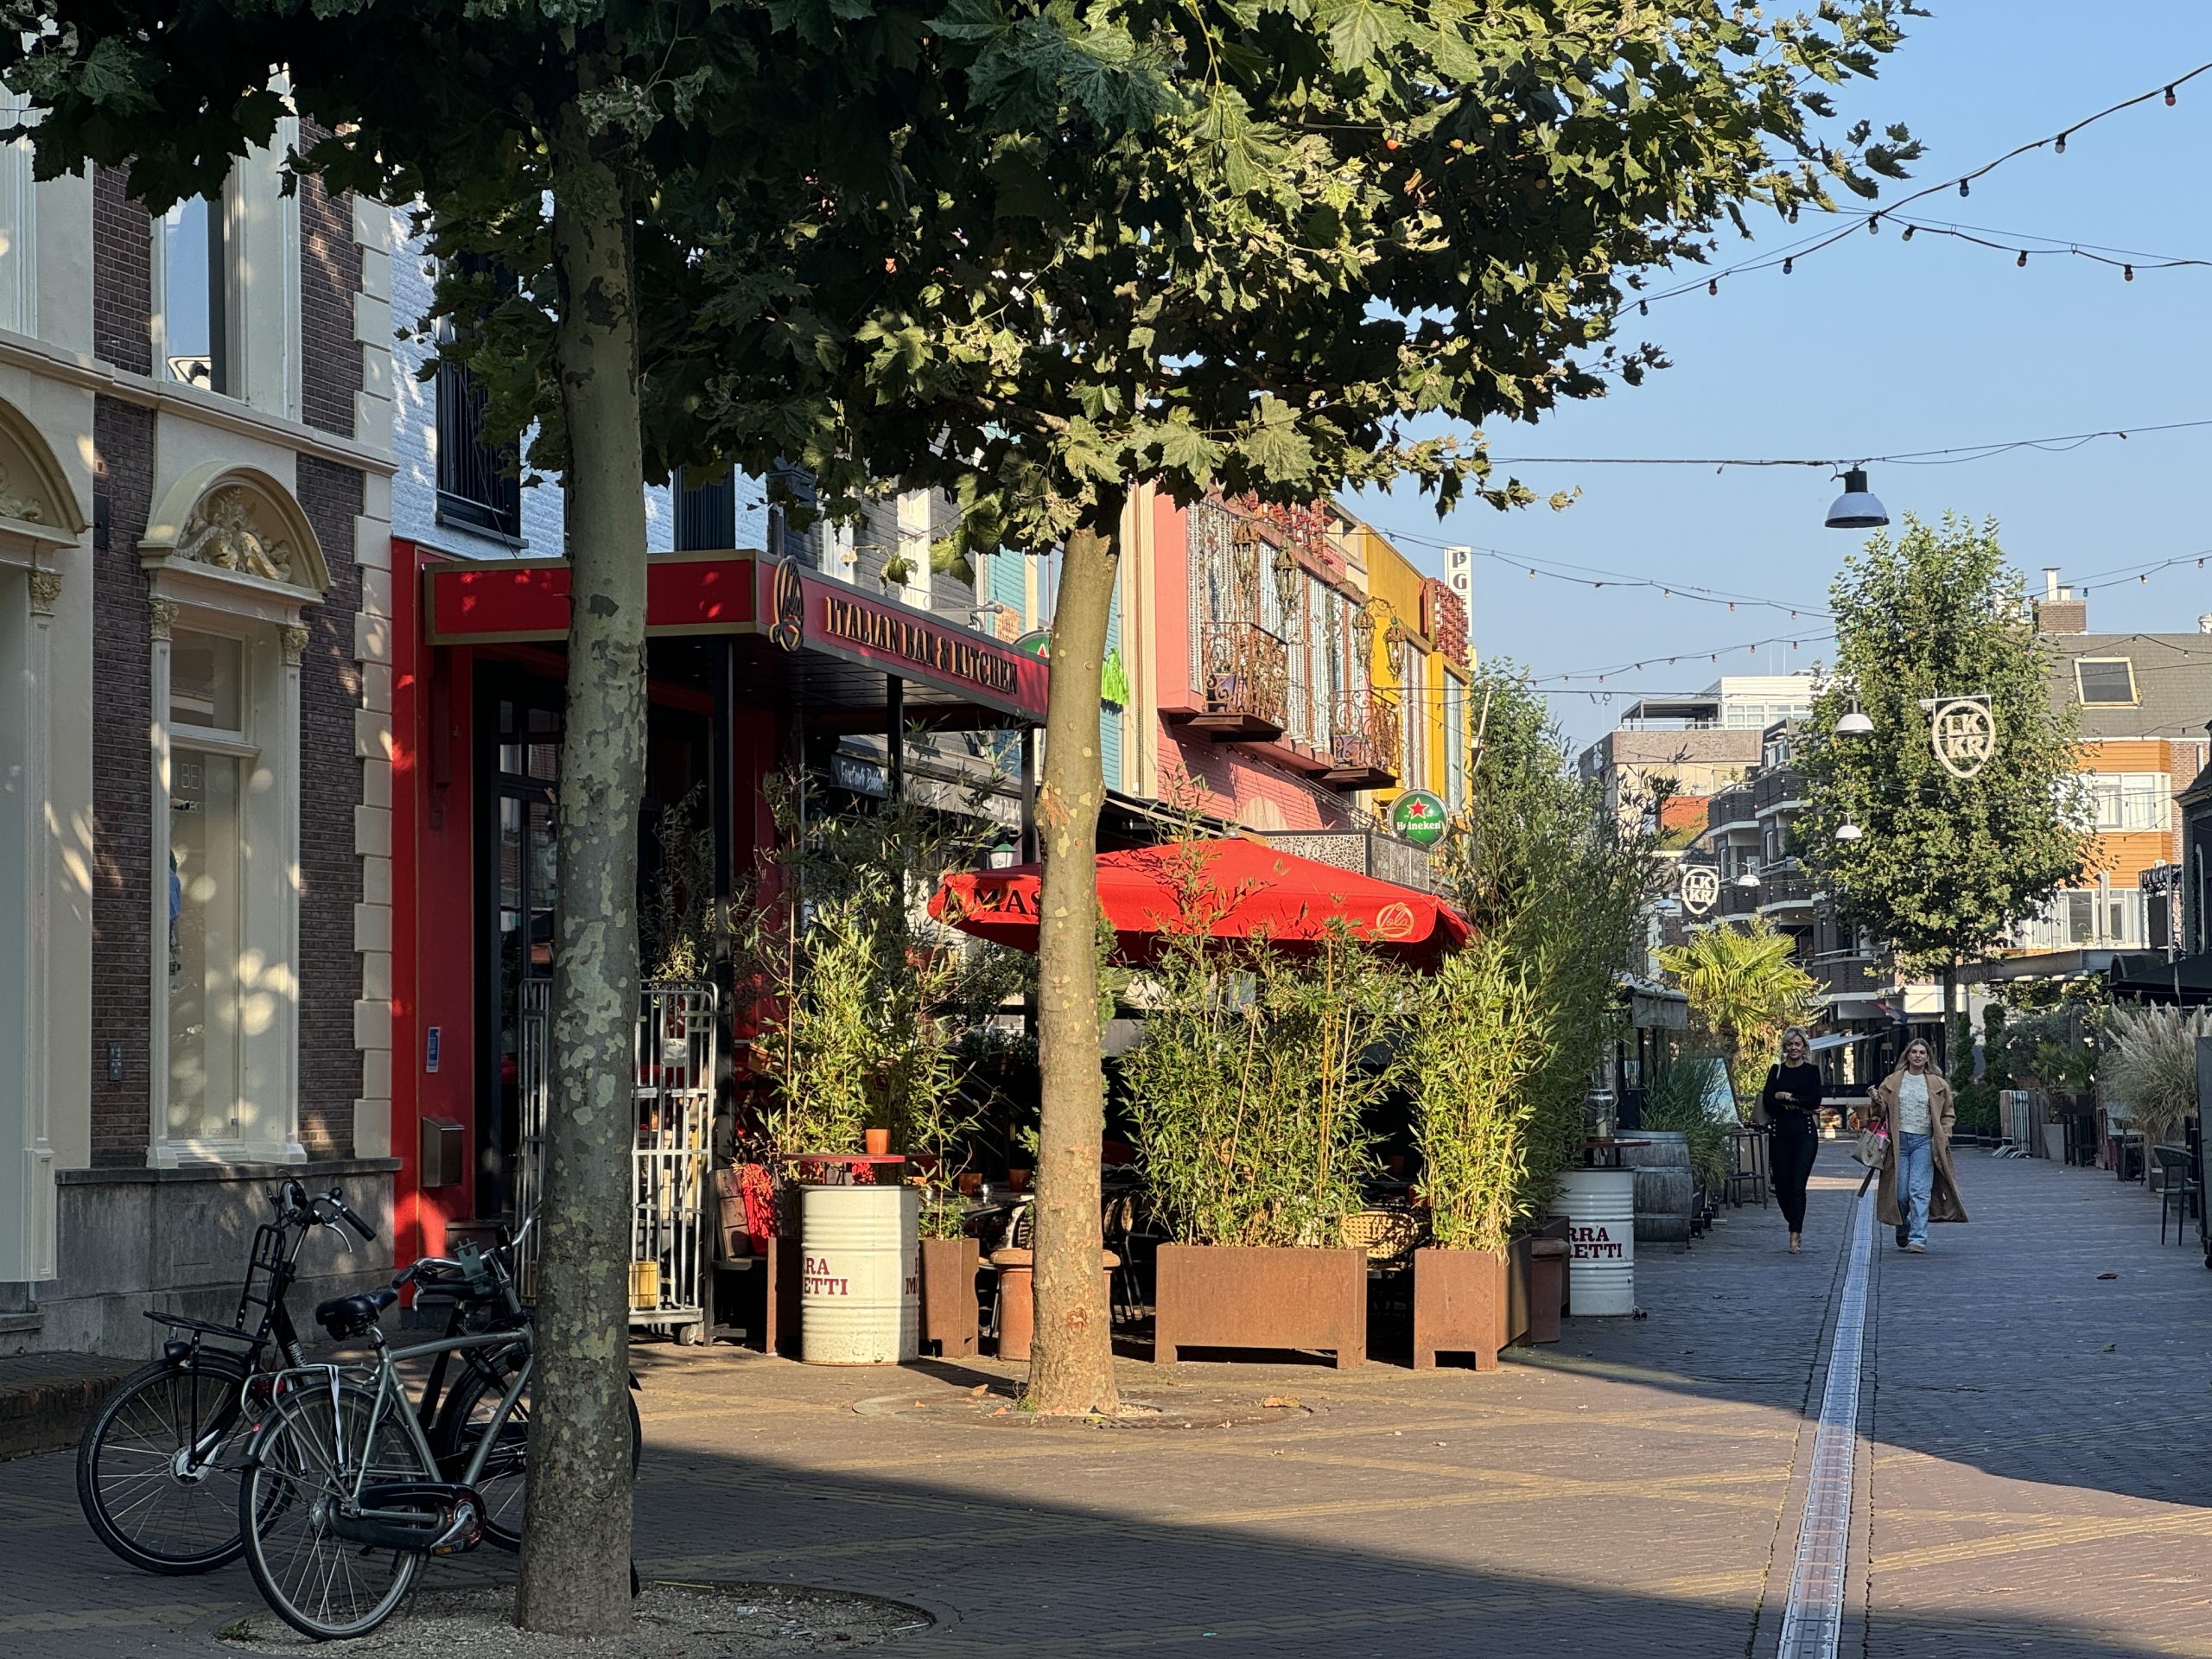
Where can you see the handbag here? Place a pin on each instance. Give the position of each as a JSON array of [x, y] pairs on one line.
[[1872, 1150]]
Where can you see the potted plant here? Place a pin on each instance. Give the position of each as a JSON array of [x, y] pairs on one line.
[[1510, 1032], [1250, 1095], [871, 998], [1482, 1041]]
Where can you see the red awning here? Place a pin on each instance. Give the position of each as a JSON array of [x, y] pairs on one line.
[[811, 620], [1236, 888]]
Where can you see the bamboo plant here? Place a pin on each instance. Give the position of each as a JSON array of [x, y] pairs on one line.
[[870, 1001], [1252, 1090]]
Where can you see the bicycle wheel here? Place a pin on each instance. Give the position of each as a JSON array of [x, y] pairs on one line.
[[155, 1465], [502, 1482], [320, 1583]]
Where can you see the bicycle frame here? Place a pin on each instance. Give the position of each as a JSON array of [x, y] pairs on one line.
[[391, 1402]]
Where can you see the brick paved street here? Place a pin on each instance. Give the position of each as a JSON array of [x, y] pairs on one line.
[[2042, 1448]]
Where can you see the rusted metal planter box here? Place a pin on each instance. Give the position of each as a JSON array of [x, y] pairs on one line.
[[949, 1310], [1237, 1296], [1480, 1302]]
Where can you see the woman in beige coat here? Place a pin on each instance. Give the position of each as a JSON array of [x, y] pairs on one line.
[[1916, 1102]]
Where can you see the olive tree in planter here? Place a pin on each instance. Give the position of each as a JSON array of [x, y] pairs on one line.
[[1251, 1093]]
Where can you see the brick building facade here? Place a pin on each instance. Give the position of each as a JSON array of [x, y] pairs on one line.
[[195, 425]]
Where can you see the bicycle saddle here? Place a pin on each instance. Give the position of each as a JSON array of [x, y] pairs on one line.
[[353, 1316]]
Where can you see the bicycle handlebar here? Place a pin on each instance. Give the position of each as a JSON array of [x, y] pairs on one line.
[[338, 1202]]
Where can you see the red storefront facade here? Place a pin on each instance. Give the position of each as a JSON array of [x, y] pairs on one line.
[[752, 663]]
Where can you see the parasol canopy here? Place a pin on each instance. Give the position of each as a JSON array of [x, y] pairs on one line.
[[1234, 888]]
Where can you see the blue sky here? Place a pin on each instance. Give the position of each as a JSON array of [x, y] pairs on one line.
[[1877, 346]]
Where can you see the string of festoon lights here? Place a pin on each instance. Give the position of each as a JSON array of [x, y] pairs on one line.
[[2126, 262]]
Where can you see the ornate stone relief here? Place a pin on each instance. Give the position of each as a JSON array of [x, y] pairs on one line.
[[233, 529], [46, 591], [293, 642], [16, 504], [161, 617]]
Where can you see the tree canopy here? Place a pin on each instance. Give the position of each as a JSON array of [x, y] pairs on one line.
[[1944, 865]]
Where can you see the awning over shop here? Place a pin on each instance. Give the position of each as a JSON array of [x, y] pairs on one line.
[[1845, 1039], [1235, 889], [830, 645]]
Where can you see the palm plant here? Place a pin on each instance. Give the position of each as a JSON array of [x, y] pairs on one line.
[[1744, 988]]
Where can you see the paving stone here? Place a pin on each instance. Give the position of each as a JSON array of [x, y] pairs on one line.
[[1627, 1492]]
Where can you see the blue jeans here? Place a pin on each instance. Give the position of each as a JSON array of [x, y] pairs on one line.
[[1916, 1181]]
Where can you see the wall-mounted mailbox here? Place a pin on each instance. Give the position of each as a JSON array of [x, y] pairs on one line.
[[443, 1159]]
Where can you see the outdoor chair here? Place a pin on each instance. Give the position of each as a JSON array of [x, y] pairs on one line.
[[1389, 1236], [1748, 1177], [1119, 1229], [2178, 1189]]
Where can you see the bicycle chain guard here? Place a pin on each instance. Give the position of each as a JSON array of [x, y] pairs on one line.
[[452, 1518]]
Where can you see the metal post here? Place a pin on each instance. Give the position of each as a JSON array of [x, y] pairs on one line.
[[894, 715], [1028, 795]]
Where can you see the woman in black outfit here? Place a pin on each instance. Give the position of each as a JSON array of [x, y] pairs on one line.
[[1791, 1103]]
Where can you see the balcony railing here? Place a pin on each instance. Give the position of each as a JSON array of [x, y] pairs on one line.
[[1245, 677], [1778, 787], [1732, 806], [1846, 973], [1364, 852], [1783, 889], [1737, 901], [1362, 742]]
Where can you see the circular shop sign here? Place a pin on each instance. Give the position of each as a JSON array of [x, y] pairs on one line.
[[1700, 886], [1419, 816]]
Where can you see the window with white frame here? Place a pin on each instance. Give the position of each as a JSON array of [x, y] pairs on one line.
[[225, 271], [231, 566], [1413, 712], [2129, 800], [192, 315], [913, 548], [2106, 681], [211, 759]]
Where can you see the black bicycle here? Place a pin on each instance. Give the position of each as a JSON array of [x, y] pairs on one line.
[[157, 1465]]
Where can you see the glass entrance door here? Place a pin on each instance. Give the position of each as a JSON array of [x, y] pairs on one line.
[[524, 724]]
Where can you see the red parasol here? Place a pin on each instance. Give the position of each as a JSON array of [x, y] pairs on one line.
[[1243, 889]]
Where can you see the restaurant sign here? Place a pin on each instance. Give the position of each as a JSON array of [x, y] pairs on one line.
[[821, 614]]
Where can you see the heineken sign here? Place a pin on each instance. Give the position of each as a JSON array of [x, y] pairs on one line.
[[1418, 817]]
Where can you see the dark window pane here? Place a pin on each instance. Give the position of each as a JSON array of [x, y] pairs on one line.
[[2112, 680], [706, 512]]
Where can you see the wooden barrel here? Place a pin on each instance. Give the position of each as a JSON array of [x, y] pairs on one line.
[[1665, 1192]]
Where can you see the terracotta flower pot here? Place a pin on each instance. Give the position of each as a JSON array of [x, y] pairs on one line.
[[878, 1141]]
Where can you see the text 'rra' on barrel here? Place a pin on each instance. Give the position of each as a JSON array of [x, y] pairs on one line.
[[860, 1286], [1665, 1193], [1600, 1205]]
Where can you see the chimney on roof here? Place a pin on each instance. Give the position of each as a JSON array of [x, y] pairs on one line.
[[2204, 623], [2058, 611]]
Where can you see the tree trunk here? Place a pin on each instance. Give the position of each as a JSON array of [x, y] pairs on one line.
[[576, 1555], [1072, 1359]]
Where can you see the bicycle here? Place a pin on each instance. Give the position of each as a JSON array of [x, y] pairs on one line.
[[146, 1461], [343, 1496]]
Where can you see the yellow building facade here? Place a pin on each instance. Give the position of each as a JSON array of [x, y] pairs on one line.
[[1421, 657]]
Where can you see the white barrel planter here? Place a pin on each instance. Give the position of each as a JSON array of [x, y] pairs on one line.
[[1600, 1205], [860, 1286]]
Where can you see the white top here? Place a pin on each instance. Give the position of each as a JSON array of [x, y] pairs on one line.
[[1912, 1103]]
